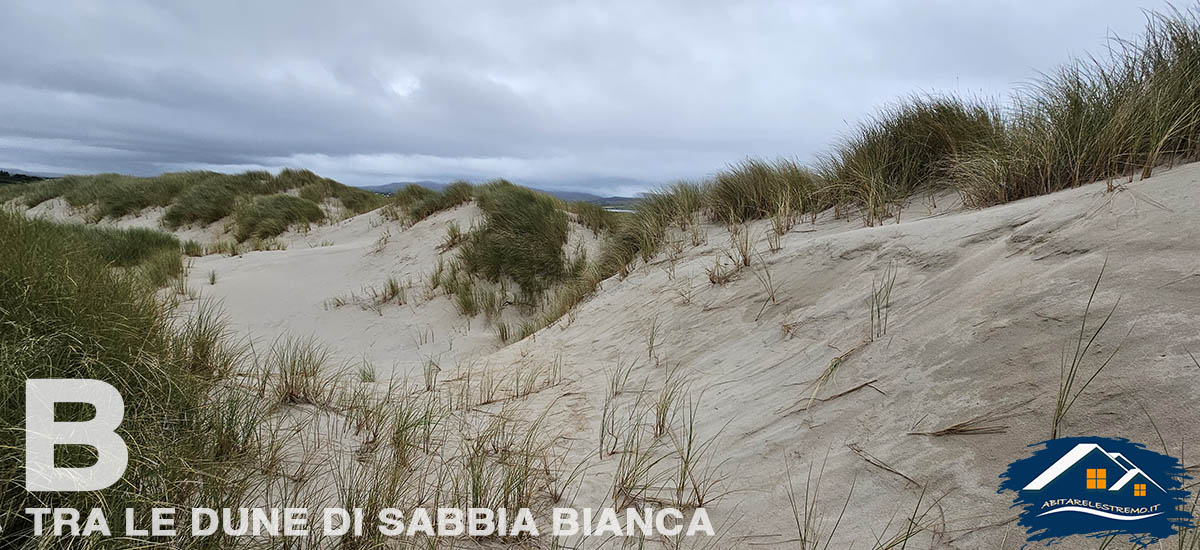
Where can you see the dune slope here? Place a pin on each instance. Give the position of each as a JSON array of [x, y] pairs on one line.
[[982, 305]]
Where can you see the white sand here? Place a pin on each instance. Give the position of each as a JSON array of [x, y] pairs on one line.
[[984, 302]]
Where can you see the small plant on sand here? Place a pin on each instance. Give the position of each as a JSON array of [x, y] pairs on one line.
[[454, 236], [392, 290], [740, 243], [192, 248], [653, 332], [1070, 365], [720, 274], [298, 366], [696, 475], [381, 241], [430, 373], [879, 302], [667, 403], [770, 287], [212, 277]]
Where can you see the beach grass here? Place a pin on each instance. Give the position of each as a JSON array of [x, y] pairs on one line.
[[72, 310]]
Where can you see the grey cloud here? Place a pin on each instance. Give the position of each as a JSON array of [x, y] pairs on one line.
[[622, 95]]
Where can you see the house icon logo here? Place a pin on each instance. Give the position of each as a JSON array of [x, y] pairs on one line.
[[1098, 487]]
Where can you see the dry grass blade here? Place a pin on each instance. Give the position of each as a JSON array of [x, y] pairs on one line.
[[872, 460], [983, 424]]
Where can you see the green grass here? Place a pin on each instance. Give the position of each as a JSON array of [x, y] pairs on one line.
[[115, 195], [756, 189], [412, 194], [593, 216], [214, 198], [422, 205], [353, 199], [71, 312], [521, 238], [154, 256], [270, 215], [193, 197], [905, 149], [1107, 118]]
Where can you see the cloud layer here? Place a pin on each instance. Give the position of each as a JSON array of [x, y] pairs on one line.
[[619, 96]]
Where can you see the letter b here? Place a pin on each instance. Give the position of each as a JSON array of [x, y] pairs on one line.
[[43, 434]]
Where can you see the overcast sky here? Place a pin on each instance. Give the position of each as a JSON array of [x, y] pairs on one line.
[[565, 95]]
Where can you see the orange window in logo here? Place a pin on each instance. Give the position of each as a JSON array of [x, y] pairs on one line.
[[1096, 478], [1139, 489]]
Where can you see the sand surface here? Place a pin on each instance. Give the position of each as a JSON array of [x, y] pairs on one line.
[[982, 306]]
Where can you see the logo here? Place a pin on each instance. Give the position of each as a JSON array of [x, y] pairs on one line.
[[1098, 487], [43, 434]]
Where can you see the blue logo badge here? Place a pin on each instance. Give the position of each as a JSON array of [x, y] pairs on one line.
[[1098, 487]]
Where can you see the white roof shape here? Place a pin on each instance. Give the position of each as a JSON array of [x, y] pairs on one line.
[[1075, 455], [1129, 477]]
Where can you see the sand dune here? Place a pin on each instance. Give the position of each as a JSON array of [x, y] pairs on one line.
[[982, 305]]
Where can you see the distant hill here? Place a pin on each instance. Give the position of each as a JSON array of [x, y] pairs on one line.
[[389, 188], [10, 177]]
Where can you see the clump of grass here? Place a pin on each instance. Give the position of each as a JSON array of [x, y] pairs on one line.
[[268, 216], [71, 312], [720, 274], [755, 189], [317, 190], [421, 205], [593, 216], [215, 197], [228, 248], [42, 191], [1097, 119], [906, 148], [115, 195], [299, 367], [192, 248], [879, 301], [521, 239], [392, 290], [454, 236], [466, 301]]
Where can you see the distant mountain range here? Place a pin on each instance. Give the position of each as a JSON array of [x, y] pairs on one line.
[[389, 188]]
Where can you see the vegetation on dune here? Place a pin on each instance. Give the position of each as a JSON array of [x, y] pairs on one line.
[[154, 255], [69, 312], [114, 195], [16, 178], [1099, 119], [593, 216], [903, 150], [1094, 120], [270, 215], [521, 238], [412, 194], [202, 197], [425, 205], [752, 190], [317, 189]]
